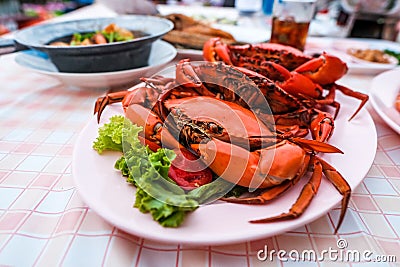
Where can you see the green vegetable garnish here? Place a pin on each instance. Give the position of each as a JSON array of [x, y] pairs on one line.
[[168, 215], [110, 135], [393, 53], [109, 36], [156, 193], [120, 38], [147, 170], [78, 38], [116, 37]]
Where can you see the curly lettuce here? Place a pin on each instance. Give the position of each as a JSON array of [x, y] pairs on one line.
[[110, 135], [148, 171], [156, 193]]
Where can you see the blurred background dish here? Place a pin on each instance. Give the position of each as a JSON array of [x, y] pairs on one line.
[[372, 56], [316, 52], [115, 56], [192, 33], [340, 46], [161, 54], [244, 29]]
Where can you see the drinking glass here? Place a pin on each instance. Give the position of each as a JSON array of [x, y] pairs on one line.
[[290, 22]]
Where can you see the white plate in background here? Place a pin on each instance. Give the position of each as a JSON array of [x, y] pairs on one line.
[[339, 46], [384, 89], [161, 54]]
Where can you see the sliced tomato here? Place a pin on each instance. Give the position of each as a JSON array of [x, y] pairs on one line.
[[188, 171]]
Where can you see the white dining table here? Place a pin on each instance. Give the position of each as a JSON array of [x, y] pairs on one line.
[[45, 222]]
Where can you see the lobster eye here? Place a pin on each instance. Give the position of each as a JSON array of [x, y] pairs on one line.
[[157, 127], [213, 127]]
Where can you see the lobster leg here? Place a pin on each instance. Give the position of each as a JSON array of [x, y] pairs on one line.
[[311, 188], [321, 124], [340, 184], [146, 96], [288, 131], [363, 97], [329, 99], [302, 202], [111, 98]]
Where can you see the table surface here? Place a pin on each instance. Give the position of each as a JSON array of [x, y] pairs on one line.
[[44, 222]]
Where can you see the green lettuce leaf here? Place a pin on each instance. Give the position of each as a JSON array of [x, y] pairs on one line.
[[156, 193], [110, 135]]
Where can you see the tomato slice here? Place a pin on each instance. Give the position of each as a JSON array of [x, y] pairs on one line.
[[188, 171]]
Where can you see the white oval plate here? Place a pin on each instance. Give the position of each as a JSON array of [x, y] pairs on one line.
[[105, 191], [161, 54], [383, 93]]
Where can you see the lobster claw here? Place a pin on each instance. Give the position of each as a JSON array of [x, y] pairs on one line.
[[293, 82], [322, 126], [154, 132], [215, 50], [259, 169], [111, 98], [323, 70], [185, 74]]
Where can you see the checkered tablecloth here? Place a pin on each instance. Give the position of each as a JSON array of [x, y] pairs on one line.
[[44, 222]]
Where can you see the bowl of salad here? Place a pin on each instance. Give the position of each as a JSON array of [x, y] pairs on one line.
[[96, 44]]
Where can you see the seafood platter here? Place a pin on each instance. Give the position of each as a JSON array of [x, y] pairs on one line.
[[250, 130]]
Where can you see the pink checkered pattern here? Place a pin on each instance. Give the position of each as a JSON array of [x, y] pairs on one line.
[[43, 221]]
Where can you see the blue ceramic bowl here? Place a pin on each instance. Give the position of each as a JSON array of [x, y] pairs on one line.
[[96, 58]]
